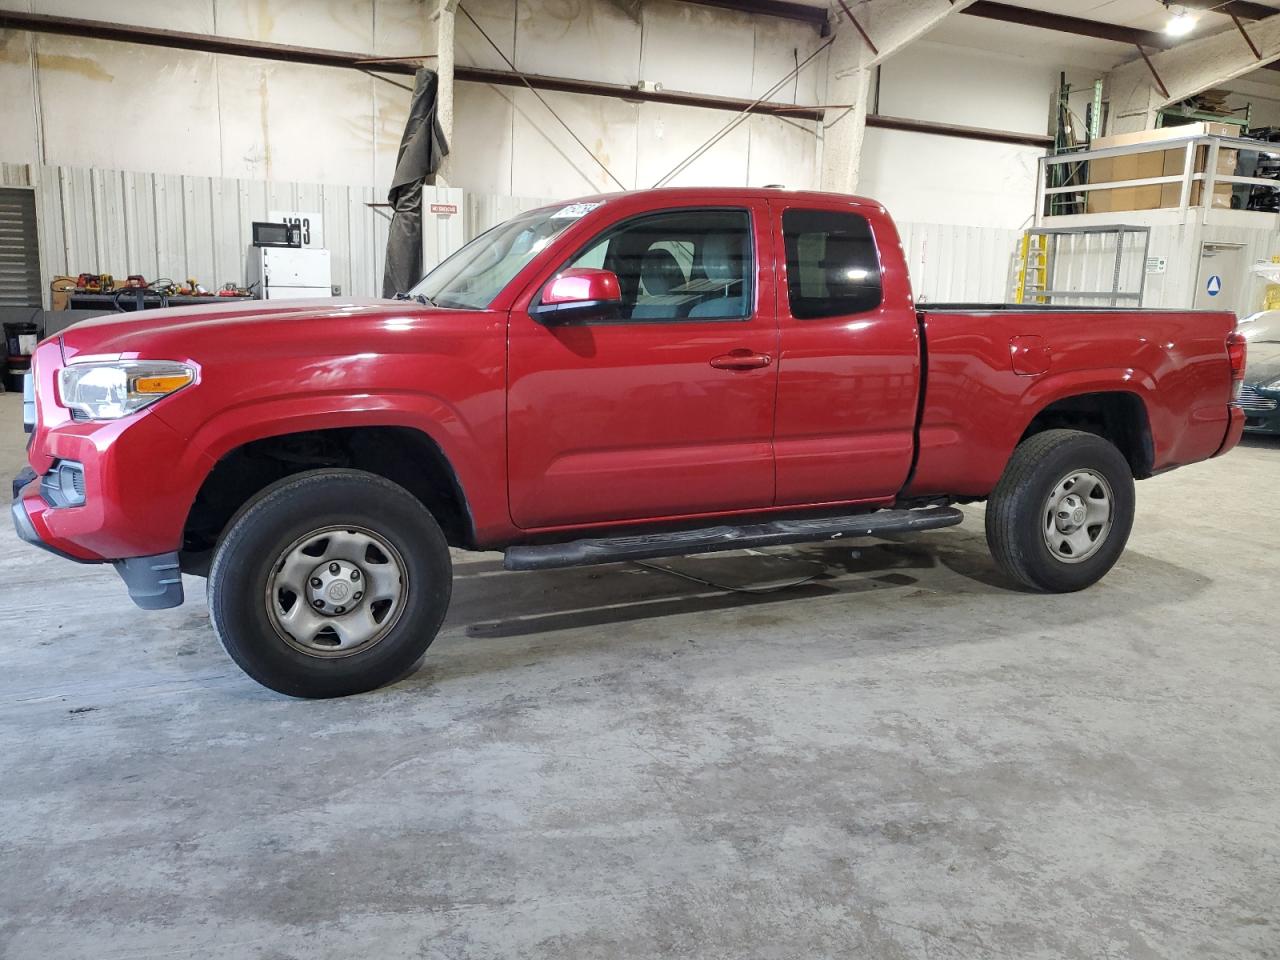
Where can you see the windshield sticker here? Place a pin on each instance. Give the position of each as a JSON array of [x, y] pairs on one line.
[[574, 210]]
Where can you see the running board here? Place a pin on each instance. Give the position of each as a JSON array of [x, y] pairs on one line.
[[579, 553]]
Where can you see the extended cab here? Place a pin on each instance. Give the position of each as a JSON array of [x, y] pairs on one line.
[[625, 376]]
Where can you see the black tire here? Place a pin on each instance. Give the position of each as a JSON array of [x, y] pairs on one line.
[[1017, 509], [263, 530]]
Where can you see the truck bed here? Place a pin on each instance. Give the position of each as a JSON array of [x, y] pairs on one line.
[[977, 407]]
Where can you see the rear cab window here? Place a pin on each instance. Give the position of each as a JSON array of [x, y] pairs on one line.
[[833, 267]]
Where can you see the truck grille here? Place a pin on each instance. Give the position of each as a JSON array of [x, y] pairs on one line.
[[1251, 401]]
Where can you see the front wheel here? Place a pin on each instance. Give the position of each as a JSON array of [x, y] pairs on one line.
[[329, 583], [1060, 516]]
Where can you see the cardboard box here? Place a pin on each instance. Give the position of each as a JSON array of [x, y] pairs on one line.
[[1158, 163], [60, 292], [1175, 161], [1199, 129], [1134, 166]]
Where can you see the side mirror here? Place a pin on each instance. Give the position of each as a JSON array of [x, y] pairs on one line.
[[579, 293]]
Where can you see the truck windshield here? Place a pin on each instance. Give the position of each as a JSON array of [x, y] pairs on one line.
[[473, 276]]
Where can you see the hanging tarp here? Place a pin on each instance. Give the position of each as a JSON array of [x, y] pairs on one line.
[[422, 148]]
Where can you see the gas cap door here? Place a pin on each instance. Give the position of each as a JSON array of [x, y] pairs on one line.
[[1030, 355]]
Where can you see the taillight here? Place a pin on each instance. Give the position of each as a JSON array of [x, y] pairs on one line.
[[1237, 353]]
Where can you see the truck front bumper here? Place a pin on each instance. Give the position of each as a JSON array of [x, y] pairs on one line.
[[154, 582], [22, 521]]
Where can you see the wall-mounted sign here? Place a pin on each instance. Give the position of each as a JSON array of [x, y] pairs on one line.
[[1157, 264], [444, 209], [311, 224], [1214, 286]]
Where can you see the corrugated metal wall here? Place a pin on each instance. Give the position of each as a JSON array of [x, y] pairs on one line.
[[1179, 246], [959, 264], [485, 211], [444, 234], [110, 221], [1086, 262]]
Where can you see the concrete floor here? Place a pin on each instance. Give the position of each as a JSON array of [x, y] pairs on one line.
[[903, 758]]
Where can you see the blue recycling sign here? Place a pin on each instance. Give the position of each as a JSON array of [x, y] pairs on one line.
[[1214, 286]]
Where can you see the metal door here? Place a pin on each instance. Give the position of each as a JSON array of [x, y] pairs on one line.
[[1220, 281]]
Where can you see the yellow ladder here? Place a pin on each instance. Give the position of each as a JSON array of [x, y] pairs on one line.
[[1033, 267]]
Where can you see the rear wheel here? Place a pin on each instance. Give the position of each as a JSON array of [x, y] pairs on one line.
[[329, 583], [1060, 516]]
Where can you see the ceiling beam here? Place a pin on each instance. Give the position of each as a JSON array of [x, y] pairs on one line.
[[800, 12], [1138, 90], [618, 91], [1044, 141], [201, 42], [1080, 27], [1008, 13], [1236, 8], [817, 16]]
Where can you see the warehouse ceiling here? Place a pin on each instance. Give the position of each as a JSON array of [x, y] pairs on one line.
[[1150, 14], [1070, 31], [1140, 14], [1150, 17], [982, 31]]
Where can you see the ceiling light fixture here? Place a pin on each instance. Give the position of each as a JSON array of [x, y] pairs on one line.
[[1181, 21]]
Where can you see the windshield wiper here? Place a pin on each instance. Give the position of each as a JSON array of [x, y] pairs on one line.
[[422, 298]]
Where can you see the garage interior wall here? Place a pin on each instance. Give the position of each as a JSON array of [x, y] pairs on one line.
[[86, 107], [515, 146], [89, 103], [926, 178], [174, 226]]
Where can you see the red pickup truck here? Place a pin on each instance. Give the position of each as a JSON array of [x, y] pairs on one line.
[[620, 377]]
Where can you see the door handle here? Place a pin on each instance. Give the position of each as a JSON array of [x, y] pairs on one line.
[[741, 360]]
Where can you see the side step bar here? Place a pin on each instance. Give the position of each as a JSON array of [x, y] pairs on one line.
[[710, 539]]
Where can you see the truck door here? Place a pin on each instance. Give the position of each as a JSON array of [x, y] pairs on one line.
[[668, 409], [849, 370]]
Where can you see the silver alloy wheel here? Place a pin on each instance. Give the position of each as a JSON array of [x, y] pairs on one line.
[[1077, 516], [336, 591]]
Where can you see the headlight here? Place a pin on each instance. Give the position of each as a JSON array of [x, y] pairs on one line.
[[1273, 385], [109, 391]]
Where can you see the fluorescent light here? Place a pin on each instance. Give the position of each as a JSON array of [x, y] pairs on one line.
[[1180, 24]]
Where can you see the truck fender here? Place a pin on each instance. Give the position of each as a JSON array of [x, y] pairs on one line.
[[235, 426], [1052, 387]]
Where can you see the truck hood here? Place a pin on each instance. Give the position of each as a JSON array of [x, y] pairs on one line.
[[1263, 364], [145, 332]]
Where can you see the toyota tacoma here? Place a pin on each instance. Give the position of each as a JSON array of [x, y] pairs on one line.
[[616, 378]]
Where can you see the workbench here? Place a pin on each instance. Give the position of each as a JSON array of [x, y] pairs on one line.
[[142, 299]]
